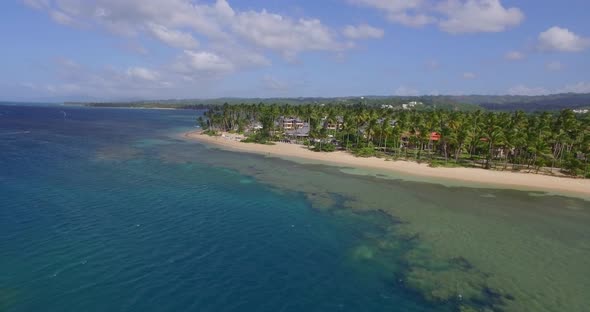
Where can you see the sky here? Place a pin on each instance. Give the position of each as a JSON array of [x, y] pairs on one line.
[[56, 50]]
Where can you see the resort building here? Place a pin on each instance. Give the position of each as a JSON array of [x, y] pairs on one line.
[[256, 126], [299, 133], [411, 105], [392, 123], [292, 123], [331, 125]]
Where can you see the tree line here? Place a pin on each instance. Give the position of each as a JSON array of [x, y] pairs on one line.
[[547, 141]]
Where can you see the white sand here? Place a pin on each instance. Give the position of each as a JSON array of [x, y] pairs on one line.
[[499, 178]]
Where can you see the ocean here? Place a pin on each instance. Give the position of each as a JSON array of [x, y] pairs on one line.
[[113, 210]]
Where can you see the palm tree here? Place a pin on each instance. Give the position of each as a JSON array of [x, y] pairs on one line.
[[400, 130], [347, 126], [385, 130], [494, 135], [372, 125], [560, 140]]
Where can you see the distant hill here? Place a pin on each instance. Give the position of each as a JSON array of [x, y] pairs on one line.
[[452, 102], [527, 103]]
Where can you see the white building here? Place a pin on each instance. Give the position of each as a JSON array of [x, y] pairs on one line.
[[411, 104]]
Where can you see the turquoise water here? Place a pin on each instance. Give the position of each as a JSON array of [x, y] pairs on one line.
[[113, 210], [97, 215]]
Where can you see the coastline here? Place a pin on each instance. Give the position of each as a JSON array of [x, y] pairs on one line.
[[519, 180]]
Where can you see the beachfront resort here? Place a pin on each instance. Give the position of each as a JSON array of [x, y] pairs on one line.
[[551, 143]]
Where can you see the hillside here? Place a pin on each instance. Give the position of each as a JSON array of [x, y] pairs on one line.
[[463, 102]]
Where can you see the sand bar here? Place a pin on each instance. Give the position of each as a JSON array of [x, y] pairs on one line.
[[518, 180]]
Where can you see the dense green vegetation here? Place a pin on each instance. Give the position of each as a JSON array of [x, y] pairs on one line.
[[528, 103], [549, 142], [431, 102]]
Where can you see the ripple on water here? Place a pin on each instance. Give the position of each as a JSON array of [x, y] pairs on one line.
[[208, 241]]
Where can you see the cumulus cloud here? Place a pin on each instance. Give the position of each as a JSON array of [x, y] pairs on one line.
[[562, 40], [288, 36], [474, 16], [179, 23], [105, 82], [405, 12], [411, 20], [142, 73], [391, 5], [514, 56], [37, 4], [452, 16], [203, 62], [61, 18], [173, 38], [363, 31], [212, 40], [132, 17]]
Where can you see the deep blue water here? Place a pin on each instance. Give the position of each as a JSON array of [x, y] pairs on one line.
[[92, 218]]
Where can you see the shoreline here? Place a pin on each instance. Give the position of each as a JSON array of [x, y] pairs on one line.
[[129, 107], [519, 180]]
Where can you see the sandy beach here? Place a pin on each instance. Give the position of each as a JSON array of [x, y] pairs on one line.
[[517, 180]]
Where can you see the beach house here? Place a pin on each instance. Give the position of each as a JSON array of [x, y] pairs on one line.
[[291, 123], [334, 125]]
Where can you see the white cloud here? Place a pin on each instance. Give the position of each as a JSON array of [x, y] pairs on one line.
[[61, 18], [142, 73], [282, 34], [178, 23], [411, 20], [37, 4], [391, 6], [469, 76], [173, 38], [363, 31], [105, 83], [242, 56], [514, 56], [563, 40], [473, 16], [405, 12], [186, 24], [131, 17], [224, 9], [203, 62], [554, 66], [452, 16]]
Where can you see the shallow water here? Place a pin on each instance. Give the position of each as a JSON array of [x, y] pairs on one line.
[[110, 210]]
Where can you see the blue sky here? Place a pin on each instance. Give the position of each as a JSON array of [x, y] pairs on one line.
[[159, 49]]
